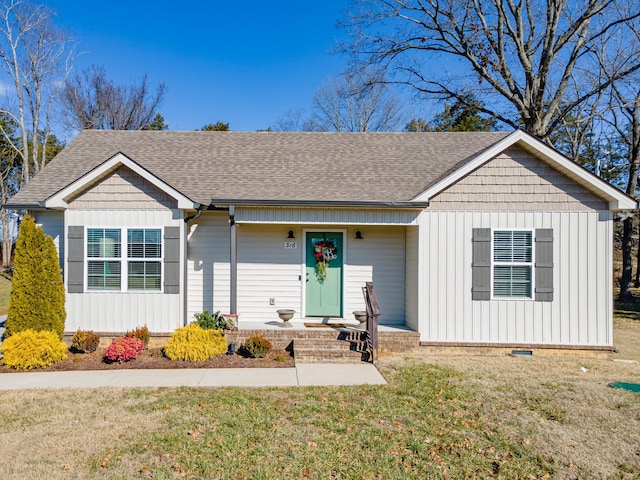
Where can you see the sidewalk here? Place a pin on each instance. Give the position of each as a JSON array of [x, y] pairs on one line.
[[304, 374]]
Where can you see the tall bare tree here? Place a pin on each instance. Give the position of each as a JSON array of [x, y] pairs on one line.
[[625, 119], [292, 121], [354, 104], [91, 100], [36, 56], [10, 177], [519, 56]]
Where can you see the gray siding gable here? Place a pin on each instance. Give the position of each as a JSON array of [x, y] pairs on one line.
[[517, 180]]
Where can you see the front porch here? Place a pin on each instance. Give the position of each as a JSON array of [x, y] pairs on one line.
[[330, 341]]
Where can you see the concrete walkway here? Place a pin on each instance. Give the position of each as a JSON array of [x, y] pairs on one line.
[[304, 374]]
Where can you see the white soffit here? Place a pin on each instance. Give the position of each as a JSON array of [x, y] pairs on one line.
[[58, 200]]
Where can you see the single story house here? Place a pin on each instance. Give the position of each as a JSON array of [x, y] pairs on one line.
[[486, 238]]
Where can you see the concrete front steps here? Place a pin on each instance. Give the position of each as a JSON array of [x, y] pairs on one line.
[[332, 345]]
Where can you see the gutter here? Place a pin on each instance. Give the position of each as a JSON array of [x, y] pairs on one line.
[[223, 203], [24, 206]]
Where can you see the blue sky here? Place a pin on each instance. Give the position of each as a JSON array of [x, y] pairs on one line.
[[246, 63]]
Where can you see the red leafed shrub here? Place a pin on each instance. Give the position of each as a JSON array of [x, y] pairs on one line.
[[124, 349]]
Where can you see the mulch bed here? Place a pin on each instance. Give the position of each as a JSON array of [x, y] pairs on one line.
[[153, 358]]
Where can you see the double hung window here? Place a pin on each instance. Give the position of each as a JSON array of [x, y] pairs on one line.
[[112, 251], [512, 263], [144, 251]]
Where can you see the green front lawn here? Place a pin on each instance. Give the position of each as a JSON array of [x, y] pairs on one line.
[[424, 424]]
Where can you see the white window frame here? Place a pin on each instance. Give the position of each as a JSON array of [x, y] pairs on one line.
[[530, 264], [124, 260]]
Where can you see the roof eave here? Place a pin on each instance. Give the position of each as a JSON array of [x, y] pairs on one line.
[[225, 202]]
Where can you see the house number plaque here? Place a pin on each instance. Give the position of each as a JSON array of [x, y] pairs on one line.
[[291, 245]]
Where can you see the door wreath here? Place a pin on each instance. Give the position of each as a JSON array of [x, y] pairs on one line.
[[324, 251]]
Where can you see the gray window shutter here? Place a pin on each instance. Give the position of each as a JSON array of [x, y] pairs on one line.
[[75, 259], [171, 259], [481, 264], [544, 265]]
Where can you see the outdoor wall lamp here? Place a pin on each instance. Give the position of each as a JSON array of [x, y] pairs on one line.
[[359, 235], [291, 235]]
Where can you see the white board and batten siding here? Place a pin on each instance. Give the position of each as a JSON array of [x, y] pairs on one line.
[[123, 199], [52, 223], [208, 264], [580, 312], [267, 270], [105, 311], [500, 196]]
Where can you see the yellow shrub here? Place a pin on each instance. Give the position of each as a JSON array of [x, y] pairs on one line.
[[30, 349], [194, 344]]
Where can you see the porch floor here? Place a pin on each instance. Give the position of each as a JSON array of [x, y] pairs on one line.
[[299, 324]]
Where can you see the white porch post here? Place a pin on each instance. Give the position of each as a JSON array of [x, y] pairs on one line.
[[233, 275]]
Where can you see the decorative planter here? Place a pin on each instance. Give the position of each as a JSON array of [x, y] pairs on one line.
[[285, 315], [361, 315], [234, 318]]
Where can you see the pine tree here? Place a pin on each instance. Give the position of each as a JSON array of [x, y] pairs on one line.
[[37, 293]]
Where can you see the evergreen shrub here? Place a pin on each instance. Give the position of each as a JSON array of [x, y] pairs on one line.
[[85, 341], [29, 349], [141, 333], [194, 344], [37, 291], [257, 345]]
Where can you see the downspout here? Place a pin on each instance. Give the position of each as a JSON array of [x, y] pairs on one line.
[[185, 304], [196, 215], [234, 262]]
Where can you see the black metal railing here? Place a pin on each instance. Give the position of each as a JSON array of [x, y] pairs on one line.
[[373, 312]]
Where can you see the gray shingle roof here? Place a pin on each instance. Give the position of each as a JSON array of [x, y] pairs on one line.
[[349, 167]]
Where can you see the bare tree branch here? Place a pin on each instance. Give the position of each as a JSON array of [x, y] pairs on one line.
[[355, 103], [36, 56], [530, 53], [92, 101]]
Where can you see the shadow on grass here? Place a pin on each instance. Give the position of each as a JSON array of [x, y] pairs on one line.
[[628, 308]]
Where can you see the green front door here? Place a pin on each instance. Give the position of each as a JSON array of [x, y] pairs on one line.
[[324, 255]]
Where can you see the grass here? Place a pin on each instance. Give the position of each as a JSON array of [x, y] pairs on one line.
[[5, 293], [439, 417], [426, 423]]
